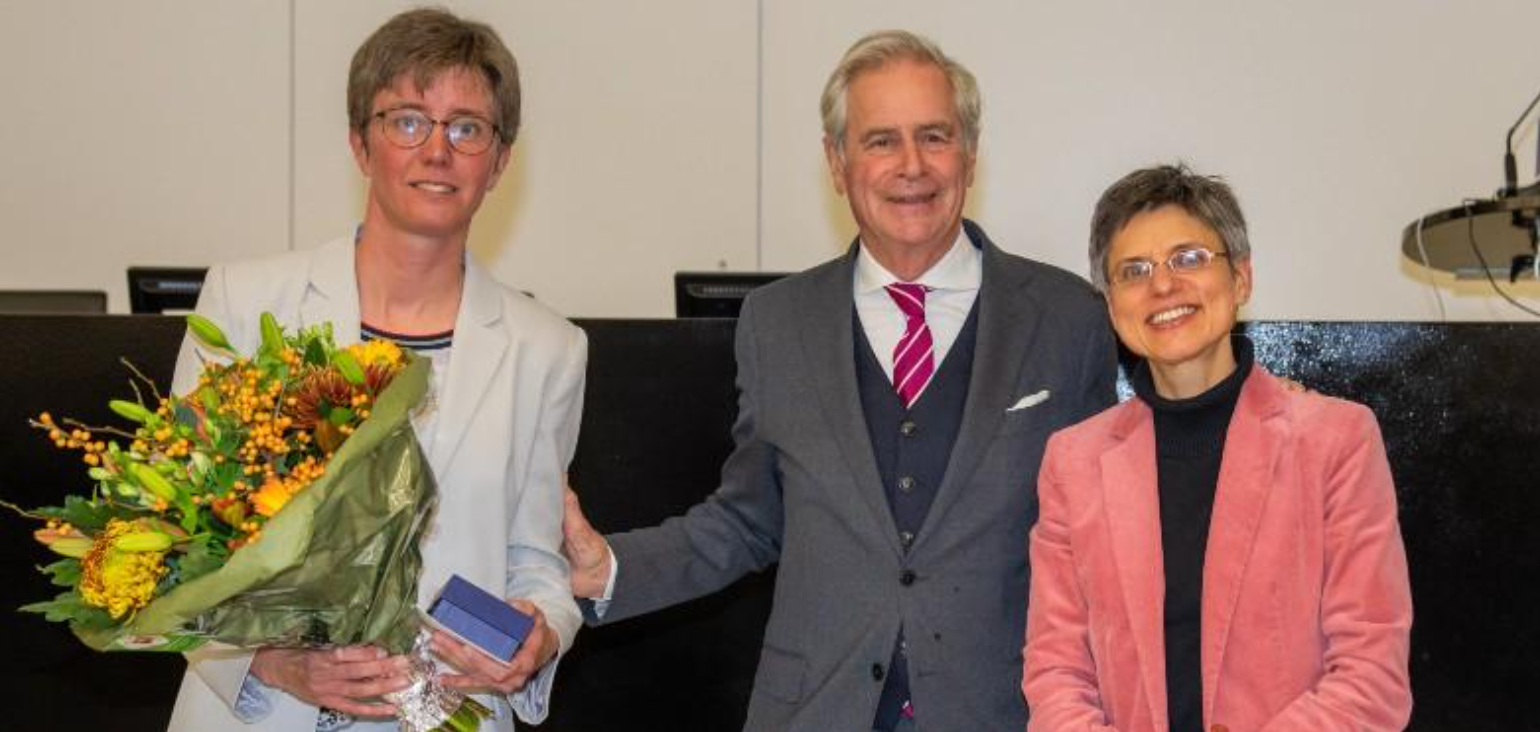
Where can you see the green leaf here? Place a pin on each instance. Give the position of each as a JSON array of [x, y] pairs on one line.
[[185, 416], [81, 512], [210, 399], [348, 367], [91, 617], [225, 475], [58, 610], [190, 512], [272, 334], [63, 573], [226, 443], [315, 353], [71, 607], [339, 416], [199, 560]]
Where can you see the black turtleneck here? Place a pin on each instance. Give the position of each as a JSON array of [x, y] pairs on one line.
[[1189, 447]]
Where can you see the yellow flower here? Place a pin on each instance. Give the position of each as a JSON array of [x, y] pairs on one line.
[[376, 353], [117, 580]]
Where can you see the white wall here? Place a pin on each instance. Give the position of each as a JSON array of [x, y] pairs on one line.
[[146, 132], [625, 170], [684, 134]]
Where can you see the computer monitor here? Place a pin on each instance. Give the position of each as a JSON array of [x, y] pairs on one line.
[[164, 289], [52, 302], [716, 294]]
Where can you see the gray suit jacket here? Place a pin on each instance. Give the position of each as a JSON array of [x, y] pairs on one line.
[[507, 426], [801, 488]]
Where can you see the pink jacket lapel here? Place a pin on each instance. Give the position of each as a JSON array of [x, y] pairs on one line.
[[1245, 480], [1132, 506]]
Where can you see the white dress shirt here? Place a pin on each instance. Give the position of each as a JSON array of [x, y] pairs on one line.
[[953, 284]]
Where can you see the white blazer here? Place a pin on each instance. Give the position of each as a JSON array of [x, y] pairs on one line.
[[506, 429]]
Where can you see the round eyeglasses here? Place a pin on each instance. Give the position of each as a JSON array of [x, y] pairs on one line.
[[468, 134], [1182, 261]]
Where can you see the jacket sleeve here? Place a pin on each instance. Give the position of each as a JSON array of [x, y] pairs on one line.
[[1366, 603], [1059, 672], [536, 569], [735, 531]]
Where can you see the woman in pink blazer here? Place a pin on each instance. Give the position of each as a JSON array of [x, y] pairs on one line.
[[1219, 553]]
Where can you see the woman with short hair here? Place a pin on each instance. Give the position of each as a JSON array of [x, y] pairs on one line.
[[433, 110], [1220, 552]]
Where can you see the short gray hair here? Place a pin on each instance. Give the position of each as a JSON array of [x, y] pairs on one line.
[[883, 47], [1204, 197]]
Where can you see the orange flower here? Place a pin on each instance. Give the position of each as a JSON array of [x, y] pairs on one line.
[[271, 497]]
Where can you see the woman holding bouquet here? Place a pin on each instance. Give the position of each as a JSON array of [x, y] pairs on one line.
[[1220, 552], [433, 107]]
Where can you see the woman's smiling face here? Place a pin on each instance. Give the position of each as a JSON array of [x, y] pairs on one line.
[[1176, 321]]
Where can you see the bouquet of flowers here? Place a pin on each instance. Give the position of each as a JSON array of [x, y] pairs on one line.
[[280, 502]]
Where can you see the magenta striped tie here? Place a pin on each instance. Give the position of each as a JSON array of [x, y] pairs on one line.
[[914, 361]]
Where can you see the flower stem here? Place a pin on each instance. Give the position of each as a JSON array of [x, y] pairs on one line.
[[467, 718]]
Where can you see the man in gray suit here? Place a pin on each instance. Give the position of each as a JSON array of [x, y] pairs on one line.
[[893, 408]]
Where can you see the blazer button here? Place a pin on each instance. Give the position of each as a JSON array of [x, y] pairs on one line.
[[906, 538], [906, 577], [877, 672], [907, 428], [906, 483]]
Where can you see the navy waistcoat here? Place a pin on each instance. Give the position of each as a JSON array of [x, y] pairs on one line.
[[912, 448]]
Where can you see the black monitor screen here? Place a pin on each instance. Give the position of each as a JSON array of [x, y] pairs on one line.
[[164, 289], [53, 301], [716, 294]]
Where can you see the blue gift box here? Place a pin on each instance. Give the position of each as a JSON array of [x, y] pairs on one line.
[[480, 618]]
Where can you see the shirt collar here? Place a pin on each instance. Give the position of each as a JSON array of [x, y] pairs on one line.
[[960, 269]]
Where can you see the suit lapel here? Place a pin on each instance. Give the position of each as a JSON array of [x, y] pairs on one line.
[[1252, 447], [828, 341], [331, 294], [1132, 508], [480, 345], [1006, 326]]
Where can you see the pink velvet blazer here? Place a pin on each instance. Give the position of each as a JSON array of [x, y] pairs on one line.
[[1307, 610]]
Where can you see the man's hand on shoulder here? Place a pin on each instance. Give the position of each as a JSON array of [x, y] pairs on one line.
[[586, 550], [1294, 386]]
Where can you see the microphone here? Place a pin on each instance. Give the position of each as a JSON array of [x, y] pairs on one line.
[[1510, 164]]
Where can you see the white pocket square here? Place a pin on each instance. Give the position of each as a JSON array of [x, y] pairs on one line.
[[1030, 400]]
